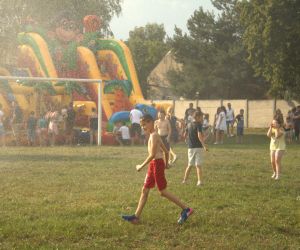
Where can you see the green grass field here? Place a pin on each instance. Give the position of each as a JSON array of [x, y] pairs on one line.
[[73, 197]]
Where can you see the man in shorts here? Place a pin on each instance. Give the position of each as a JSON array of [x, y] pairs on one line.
[[229, 120], [163, 128], [158, 160], [195, 141], [135, 117]]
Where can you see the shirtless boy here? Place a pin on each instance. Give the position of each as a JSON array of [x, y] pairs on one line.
[[158, 159], [163, 127]]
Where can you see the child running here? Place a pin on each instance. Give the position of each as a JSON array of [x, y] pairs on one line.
[[277, 145], [156, 173], [195, 141]]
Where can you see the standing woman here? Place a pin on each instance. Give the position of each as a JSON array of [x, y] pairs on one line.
[[216, 116], [221, 126], [277, 145], [174, 133]]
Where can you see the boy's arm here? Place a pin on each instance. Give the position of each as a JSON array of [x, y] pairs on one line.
[[235, 120], [153, 150], [185, 134], [166, 152], [201, 139], [156, 126], [169, 131]]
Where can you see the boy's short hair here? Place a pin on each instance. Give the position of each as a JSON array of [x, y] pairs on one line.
[[162, 111], [242, 110], [147, 118]]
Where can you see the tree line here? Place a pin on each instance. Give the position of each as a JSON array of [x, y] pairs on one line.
[[244, 49]]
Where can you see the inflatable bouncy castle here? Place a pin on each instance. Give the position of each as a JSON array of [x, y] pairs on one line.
[[66, 52]]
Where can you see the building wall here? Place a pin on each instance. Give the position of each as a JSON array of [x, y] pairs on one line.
[[258, 113]]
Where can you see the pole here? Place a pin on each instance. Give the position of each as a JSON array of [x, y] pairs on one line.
[[20, 78], [99, 113]]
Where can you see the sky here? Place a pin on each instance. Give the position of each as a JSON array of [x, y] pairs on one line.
[[137, 13]]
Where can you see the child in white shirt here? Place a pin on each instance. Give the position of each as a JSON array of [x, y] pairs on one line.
[[125, 135]]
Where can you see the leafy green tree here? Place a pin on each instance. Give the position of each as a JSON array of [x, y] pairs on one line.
[[148, 46], [272, 39], [13, 13], [213, 57]]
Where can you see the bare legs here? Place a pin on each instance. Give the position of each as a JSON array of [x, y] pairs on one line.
[[173, 156], [219, 136], [173, 198], [276, 157], [142, 201], [187, 174], [164, 193], [273, 164], [93, 134], [199, 175]]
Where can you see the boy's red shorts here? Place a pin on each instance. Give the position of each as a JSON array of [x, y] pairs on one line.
[[156, 174]]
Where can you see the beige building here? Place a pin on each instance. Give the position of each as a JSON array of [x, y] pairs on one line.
[[159, 86]]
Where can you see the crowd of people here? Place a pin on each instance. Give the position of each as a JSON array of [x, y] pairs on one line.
[[223, 123], [57, 126], [196, 124]]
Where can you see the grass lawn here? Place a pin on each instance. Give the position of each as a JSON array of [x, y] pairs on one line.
[[73, 197]]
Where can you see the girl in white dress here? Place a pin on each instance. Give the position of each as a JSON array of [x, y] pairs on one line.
[[221, 126]]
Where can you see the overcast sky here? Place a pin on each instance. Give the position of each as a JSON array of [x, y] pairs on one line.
[[136, 13]]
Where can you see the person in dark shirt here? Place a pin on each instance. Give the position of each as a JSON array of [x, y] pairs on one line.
[[296, 119], [31, 128], [16, 122], [239, 119], [70, 121], [195, 140], [174, 133], [189, 111], [93, 120]]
